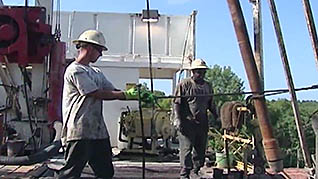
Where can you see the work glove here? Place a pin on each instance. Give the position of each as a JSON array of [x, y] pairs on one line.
[[131, 94]]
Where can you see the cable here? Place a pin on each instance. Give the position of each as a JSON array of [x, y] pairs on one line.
[[255, 93], [149, 48], [151, 88], [9, 86], [57, 32], [24, 74]]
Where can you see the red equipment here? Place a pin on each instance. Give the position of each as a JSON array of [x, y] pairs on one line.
[[57, 66], [24, 36]]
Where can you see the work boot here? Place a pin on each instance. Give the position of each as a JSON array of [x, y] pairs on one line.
[[196, 174], [185, 173]]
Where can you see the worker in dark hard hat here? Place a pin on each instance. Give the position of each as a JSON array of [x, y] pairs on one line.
[[191, 116], [85, 134]]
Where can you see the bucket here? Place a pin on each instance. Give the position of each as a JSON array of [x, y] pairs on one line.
[[15, 147], [221, 161]]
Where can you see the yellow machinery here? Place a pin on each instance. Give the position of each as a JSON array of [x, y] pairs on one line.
[[157, 126], [235, 115]]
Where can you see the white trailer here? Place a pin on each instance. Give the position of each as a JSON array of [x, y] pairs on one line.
[[127, 60]]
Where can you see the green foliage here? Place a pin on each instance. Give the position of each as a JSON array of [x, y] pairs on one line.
[[162, 103], [284, 127], [216, 143], [224, 80], [165, 103], [215, 140]]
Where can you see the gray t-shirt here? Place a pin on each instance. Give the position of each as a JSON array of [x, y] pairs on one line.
[[82, 115], [194, 107]]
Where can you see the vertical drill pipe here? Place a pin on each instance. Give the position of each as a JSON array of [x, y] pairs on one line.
[[142, 132], [316, 157], [314, 125], [311, 28], [194, 21], [149, 47], [290, 83], [150, 65], [271, 148]]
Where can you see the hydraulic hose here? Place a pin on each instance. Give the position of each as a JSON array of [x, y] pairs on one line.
[[41, 155], [38, 157]]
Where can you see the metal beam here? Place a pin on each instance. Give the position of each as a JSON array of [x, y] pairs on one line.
[[258, 39], [272, 151], [311, 28], [290, 83], [194, 22]]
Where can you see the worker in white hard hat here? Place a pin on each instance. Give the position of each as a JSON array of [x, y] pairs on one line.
[[192, 120], [85, 134]]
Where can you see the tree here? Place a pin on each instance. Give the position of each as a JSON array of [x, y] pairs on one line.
[[224, 80], [164, 103], [283, 122]]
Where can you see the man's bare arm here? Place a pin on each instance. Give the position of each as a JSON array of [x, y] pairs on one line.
[[177, 108], [108, 95]]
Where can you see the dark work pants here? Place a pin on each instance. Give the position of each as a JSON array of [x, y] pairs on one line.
[[192, 144], [97, 153]]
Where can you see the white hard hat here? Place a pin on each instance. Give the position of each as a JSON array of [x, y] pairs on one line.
[[92, 36], [198, 64]]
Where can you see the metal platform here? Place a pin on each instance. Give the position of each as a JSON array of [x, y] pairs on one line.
[[126, 170]]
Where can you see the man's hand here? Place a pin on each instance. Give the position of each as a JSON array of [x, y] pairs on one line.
[[131, 94]]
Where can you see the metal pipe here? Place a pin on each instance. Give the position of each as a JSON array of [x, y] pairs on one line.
[[271, 148], [258, 41], [168, 41], [290, 83], [5, 80], [149, 49], [316, 157], [311, 28], [150, 66], [193, 17], [314, 122], [142, 131]]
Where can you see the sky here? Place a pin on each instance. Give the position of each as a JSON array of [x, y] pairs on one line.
[[216, 40]]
